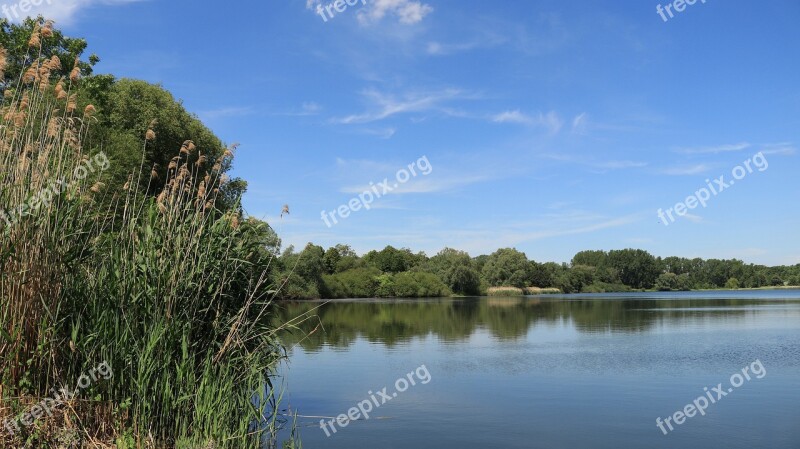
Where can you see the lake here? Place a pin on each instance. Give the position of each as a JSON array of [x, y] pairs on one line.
[[565, 371]]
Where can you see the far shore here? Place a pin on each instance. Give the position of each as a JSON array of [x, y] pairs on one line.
[[513, 292]]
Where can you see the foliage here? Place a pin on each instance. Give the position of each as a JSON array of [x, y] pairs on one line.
[[168, 289], [636, 267], [343, 273], [507, 267], [16, 37], [673, 282], [457, 270]]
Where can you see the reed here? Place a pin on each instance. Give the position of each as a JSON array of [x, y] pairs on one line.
[[168, 290], [504, 291], [541, 291]]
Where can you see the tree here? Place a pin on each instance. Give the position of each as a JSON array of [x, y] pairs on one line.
[[591, 258], [507, 267], [732, 284], [672, 282], [636, 267], [463, 279], [456, 269], [331, 260], [393, 260], [127, 109], [15, 39], [543, 275]]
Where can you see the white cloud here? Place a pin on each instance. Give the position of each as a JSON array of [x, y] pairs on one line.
[[551, 120], [408, 12], [440, 49], [232, 111], [61, 11], [781, 149], [715, 149], [601, 165], [613, 165], [484, 239], [383, 133], [687, 170], [434, 182], [388, 105], [693, 218], [579, 124], [422, 185]]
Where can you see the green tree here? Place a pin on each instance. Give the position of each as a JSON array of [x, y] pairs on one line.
[[393, 260], [637, 268], [544, 275], [456, 269], [15, 38], [732, 284], [672, 282], [127, 109], [331, 260], [507, 267], [591, 259]]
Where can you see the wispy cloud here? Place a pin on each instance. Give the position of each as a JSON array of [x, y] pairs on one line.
[[781, 149], [693, 218], [579, 124], [408, 12], [307, 108], [616, 165], [431, 234], [437, 184], [551, 120], [62, 11], [484, 239], [376, 171], [601, 165], [230, 111], [443, 49], [687, 170], [382, 133], [440, 49], [385, 105], [715, 149]]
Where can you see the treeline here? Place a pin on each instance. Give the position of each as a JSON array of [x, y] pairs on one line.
[[339, 272]]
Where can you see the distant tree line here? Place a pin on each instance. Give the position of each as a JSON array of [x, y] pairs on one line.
[[339, 272]]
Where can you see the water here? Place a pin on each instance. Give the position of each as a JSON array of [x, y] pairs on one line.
[[575, 371]]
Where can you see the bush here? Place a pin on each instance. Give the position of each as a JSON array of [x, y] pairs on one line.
[[355, 283], [673, 282]]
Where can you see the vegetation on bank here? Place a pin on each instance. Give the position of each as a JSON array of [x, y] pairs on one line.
[[143, 263], [339, 272]]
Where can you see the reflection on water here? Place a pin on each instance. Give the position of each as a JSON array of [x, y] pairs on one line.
[[396, 321], [588, 371]]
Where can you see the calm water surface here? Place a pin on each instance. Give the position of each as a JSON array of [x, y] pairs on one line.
[[574, 371]]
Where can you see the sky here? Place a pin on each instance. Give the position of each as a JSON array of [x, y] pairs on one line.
[[548, 126]]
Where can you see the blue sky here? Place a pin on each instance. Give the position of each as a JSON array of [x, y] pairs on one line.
[[551, 126]]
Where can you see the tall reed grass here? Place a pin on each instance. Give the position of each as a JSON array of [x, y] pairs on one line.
[[170, 291]]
